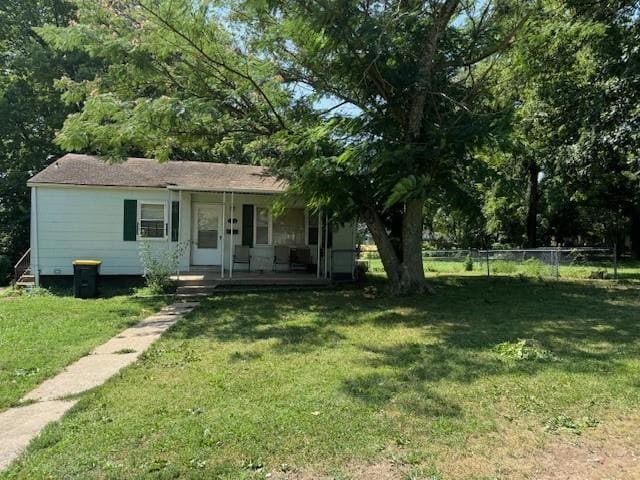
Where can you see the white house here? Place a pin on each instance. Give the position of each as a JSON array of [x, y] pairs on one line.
[[84, 208]]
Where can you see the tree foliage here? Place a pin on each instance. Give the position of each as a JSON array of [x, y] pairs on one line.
[[496, 120], [366, 108], [30, 108]]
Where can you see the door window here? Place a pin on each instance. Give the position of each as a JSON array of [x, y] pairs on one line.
[[207, 228]]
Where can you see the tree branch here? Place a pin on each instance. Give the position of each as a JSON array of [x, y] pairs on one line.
[[218, 63]]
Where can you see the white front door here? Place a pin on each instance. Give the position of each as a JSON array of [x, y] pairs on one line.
[[206, 235]]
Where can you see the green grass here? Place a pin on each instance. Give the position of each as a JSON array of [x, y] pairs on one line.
[[42, 333], [627, 269], [324, 382]]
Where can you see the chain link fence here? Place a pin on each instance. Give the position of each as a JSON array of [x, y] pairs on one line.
[[550, 262]]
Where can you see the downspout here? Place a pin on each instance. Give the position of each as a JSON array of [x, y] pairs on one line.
[[319, 242], [353, 250], [232, 239], [34, 232], [326, 245], [224, 206]]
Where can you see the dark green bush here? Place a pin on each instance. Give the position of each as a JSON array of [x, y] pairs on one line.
[[468, 263], [5, 269]]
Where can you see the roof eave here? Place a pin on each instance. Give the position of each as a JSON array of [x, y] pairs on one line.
[[254, 191]]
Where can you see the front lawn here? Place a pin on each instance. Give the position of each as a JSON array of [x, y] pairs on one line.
[[40, 335], [488, 378]]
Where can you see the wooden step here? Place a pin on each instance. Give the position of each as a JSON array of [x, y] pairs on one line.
[[195, 289], [195, 282]]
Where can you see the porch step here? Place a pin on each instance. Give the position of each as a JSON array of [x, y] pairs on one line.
[[222, 289], [191, 297], [251, 281], [195, 282], [191, 290], [26, 280]]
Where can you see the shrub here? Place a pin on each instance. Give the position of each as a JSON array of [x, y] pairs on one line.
[[533, 267], [468, 263], [503, 266], [37, 292], [5, 269], [159, 264]]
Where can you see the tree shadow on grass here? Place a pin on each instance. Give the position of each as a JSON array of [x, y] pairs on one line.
[[590, 328], [252, 318], [377, 390]]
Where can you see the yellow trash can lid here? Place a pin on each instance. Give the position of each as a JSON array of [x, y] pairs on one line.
[[94, 263]]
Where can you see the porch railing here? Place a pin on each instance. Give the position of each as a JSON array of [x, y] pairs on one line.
[[22, 266]]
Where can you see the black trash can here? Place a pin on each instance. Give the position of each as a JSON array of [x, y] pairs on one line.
[[85, 278]]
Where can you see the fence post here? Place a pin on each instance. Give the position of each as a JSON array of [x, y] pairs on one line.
[[615, 261], [557, 263], [487, 259]]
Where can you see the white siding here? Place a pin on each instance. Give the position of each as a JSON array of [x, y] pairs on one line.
[[87, 223]]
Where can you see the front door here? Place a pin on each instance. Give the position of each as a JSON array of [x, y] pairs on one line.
[[206, 235]]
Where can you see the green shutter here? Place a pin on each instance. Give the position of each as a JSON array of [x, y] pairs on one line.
[[130, 226], [247, 225], [175, 220]]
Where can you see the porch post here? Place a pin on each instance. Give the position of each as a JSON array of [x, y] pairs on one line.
[[326, 244], [224, 206], [318, 241], [232, 239], [180, 213], [353, 251]]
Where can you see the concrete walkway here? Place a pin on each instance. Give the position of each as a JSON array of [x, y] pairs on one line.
[[19, 425]]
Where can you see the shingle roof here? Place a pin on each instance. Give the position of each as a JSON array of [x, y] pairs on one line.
[[74, 169]]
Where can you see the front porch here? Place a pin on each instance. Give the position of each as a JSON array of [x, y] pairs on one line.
[[204, 281]]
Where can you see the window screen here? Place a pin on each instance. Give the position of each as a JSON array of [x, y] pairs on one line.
[[262, 226], [152, 219], [288, 227]]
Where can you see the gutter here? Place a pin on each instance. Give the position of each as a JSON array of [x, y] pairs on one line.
[[226, 190], [35, 260]]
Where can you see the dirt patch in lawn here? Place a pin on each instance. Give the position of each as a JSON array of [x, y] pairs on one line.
[[382, 470], [385, 470], [609, 451]]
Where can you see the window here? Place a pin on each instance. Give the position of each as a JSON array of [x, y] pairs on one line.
[[288, 227], [152, 219], [262, 226]]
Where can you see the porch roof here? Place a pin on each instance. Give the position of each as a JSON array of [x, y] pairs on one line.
[[90, 170]]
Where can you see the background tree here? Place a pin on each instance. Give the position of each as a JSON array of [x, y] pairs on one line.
[[568, 83], [30, 109]]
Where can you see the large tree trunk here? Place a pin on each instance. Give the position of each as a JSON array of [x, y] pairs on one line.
[[412, 270], [387, 253], [404, 268], [532, 203]]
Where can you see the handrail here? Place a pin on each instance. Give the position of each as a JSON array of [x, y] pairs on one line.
[[22, 265], [28, 252]]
